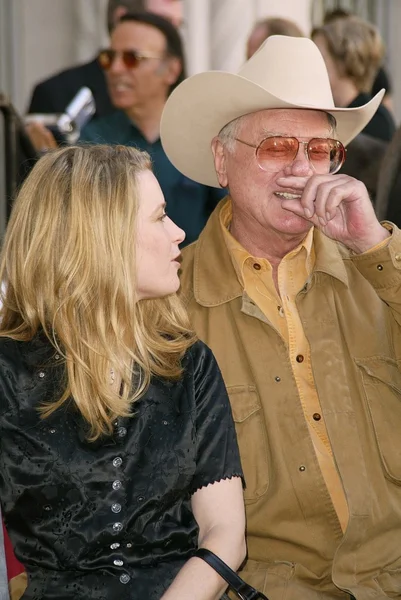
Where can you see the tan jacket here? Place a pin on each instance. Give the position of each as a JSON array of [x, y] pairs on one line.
[[351, 314]]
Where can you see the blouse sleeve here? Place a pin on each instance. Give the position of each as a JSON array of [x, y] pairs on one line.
[[217, 454]]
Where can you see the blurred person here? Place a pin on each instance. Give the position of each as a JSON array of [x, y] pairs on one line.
[[382, 78], [270, 26], [118, 449], [54, 94], [295, 285], [144, 63], [352, 49]]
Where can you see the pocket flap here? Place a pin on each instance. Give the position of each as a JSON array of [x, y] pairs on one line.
[[244, 401]]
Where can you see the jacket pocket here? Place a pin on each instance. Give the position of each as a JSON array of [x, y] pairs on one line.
[[251, 433], [381, 378]]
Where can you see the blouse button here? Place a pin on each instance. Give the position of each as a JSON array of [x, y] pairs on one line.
[[41, 374], [164, 422], [117, 527], [140, 498], [114, 546], [52, 430], [117, 462], [116, 484], [121, 432], [129, 545], [57, 356], [118, 562], [124, 578], [116, 508]]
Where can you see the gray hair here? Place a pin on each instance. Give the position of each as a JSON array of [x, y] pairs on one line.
[[229, 132]]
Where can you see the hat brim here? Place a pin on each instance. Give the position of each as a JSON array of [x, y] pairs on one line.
[[203, 104]]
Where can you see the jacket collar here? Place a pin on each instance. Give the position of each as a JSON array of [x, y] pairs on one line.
[[215, 279]]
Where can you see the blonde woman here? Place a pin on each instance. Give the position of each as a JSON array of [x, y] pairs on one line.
[[353, 52], [118, 452]]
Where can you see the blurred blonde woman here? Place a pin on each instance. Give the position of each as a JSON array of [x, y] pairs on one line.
[[353, 52], [118, 451]]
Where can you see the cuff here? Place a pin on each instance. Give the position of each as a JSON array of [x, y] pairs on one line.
[[381, 265]]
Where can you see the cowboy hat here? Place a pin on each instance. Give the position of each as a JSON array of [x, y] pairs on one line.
[[286, 72]]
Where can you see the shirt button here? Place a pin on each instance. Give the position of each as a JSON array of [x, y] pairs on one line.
[[121, 432], [114, 546], [116, 508], [280, 311], [118, 562], [317, 416], [117, 527], [117, 462], [116, 484], [300, 358], [124, 578], [256, 266]]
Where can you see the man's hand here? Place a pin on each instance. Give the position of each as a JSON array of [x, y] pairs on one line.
[[42, 138], [339, 206]]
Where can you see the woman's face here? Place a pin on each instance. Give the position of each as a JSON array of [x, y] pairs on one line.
[[157, 251]]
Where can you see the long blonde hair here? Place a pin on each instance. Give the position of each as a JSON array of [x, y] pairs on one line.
[[68, 269]]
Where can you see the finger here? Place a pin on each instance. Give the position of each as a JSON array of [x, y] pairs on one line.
[[296, 207], [327, 199]]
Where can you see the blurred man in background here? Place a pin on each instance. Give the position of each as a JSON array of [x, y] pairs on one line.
[[55, 93], [267, 27]]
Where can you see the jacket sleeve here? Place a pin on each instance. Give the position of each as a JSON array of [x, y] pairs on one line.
[[217, 454], [382, 268]]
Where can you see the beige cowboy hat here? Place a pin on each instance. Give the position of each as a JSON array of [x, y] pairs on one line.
[[286, 72]]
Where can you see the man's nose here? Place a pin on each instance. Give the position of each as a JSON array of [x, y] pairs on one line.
[[300, 166]]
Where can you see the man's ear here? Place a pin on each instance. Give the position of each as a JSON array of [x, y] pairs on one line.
[[219, 154], [172, 68]]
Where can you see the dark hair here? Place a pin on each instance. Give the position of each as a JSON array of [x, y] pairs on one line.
[[129, 5], [337, 13], [174, 45]]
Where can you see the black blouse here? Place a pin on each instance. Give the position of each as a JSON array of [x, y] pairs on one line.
[[110, 519]]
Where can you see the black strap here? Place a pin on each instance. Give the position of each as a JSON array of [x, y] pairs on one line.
[[238, 585]]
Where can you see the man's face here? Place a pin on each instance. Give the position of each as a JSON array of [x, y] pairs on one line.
[[255, 40], [169, 9], [256, 196], [150, 80]]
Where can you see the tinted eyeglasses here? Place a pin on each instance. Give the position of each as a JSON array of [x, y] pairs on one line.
[[130, 58], [325, 155]]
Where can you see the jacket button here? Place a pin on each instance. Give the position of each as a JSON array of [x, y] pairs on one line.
[[379, 267]]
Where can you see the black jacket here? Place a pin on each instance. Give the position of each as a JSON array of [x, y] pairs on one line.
[[54, 94]]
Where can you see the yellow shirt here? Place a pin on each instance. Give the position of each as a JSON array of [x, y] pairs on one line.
[[256, 277]]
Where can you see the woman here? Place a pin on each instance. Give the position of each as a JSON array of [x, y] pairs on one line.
[[118, 454], [353, 52]]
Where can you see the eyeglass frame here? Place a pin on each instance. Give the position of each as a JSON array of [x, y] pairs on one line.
[[305, 144], [138, 55]]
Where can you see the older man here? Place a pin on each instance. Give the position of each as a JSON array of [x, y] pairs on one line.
[[296, 287]]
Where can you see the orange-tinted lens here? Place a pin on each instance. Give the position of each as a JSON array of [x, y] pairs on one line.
[[277, 149], [130, 59], [107, 57], [326, 155]]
